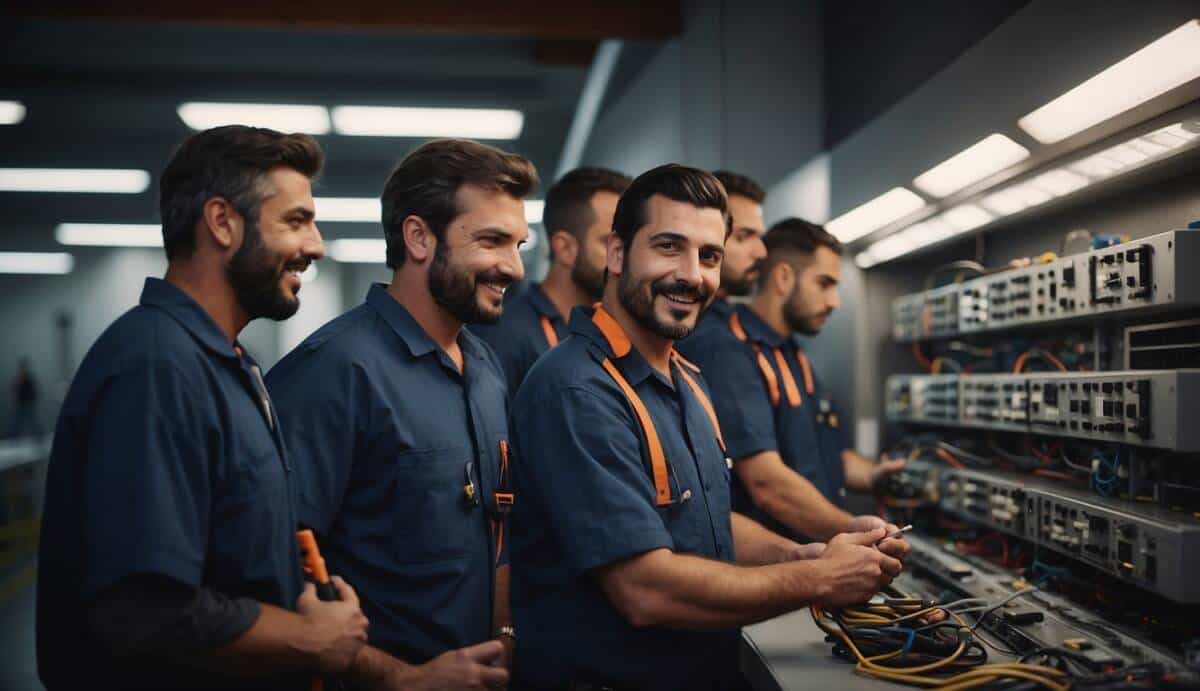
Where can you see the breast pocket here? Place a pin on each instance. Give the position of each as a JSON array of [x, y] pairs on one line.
[[434, 518]]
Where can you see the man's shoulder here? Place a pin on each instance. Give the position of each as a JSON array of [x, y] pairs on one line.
[[338, 343]]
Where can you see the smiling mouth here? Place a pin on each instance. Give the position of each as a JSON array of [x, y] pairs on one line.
[[682, 300], [496, 286]]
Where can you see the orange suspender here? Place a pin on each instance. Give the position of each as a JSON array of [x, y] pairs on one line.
[[735, 325], [504, 500], [548, 331], [807, 371], [789, 382], [658, 459]]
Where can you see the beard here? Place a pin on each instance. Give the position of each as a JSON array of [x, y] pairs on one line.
[[455, 291], [741, 286], [638, 300], [806, 324], [256, 275], [589, 278]]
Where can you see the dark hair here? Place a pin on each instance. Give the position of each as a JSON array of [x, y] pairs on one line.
[[568, 203], [741, 186], [791, 239], [427, 181], [673, 181], [231, 162]]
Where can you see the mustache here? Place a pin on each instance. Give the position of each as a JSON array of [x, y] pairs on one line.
[[494, 276], [680, 289]]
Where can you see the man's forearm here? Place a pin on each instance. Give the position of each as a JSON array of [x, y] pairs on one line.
[[663, 589], [276, 643], [754, 545], [858, 470], [790, 498]]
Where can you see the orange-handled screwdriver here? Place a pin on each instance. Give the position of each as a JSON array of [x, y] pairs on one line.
[[314, 567]]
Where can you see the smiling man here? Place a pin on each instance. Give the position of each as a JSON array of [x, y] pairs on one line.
[[629, 569], [168, 555], [396, 416]]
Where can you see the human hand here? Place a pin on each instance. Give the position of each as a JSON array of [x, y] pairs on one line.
[[335, 630]]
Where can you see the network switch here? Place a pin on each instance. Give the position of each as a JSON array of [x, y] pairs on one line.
[[1139, 407], [1142, 276]]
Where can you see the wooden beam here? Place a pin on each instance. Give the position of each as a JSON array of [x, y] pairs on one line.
[[576, 19]]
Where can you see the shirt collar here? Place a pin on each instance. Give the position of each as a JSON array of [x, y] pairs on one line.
[[406, 327], [609, 338], [756, 329], [541, 303], [183, 309], [721, 307]]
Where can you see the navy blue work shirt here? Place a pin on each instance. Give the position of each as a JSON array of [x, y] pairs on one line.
[[586, 499], [386, 435], [809, 437], [167, 461], [519, 338]]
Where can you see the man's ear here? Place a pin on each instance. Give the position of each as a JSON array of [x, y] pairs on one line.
[[419, 240], [615, 256], [783, 278], [565, 248], [221, 223]]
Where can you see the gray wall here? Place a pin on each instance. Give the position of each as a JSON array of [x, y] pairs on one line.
[[741, 89]]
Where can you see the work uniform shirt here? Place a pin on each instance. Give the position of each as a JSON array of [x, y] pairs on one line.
[[520, 337], [586, 498], [808, 436], [167, 461], [387, 435]]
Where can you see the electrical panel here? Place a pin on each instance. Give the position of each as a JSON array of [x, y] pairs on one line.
[[1152, 547], [1154, 408], [1139, 277], [1060, 622]]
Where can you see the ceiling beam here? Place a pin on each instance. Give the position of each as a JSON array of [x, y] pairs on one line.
[[578, 19]]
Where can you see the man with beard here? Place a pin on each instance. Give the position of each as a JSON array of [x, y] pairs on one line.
[[397, 418], [784, 435], [744, 249], [168, 555], [629, 570], [578, 218]]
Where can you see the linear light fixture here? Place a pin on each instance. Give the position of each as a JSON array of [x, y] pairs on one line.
[[109, 234], [358, 250], [387, 121], [1168, 62], [888, 207], [36, 263], [369, 209], [11, 112], [348, 209], [1058, 182], [533, 210], [100, 180], [986, 157], [277, 116]]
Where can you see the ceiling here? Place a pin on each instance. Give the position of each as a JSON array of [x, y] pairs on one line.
[[103, 93]]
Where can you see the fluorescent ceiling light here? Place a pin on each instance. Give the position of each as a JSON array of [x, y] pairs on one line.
[[36, 263], [986, 157], [1167, 63], [533, 210], [889, 207], [1059, 182], [358, 250], [382, 121], [11, 112], [965, 217], [349, 209], [285, 118], [109, 234], [105, 180]]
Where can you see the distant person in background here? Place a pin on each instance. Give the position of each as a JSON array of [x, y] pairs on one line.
[[25, 398], [744, 250], [578, 219]]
